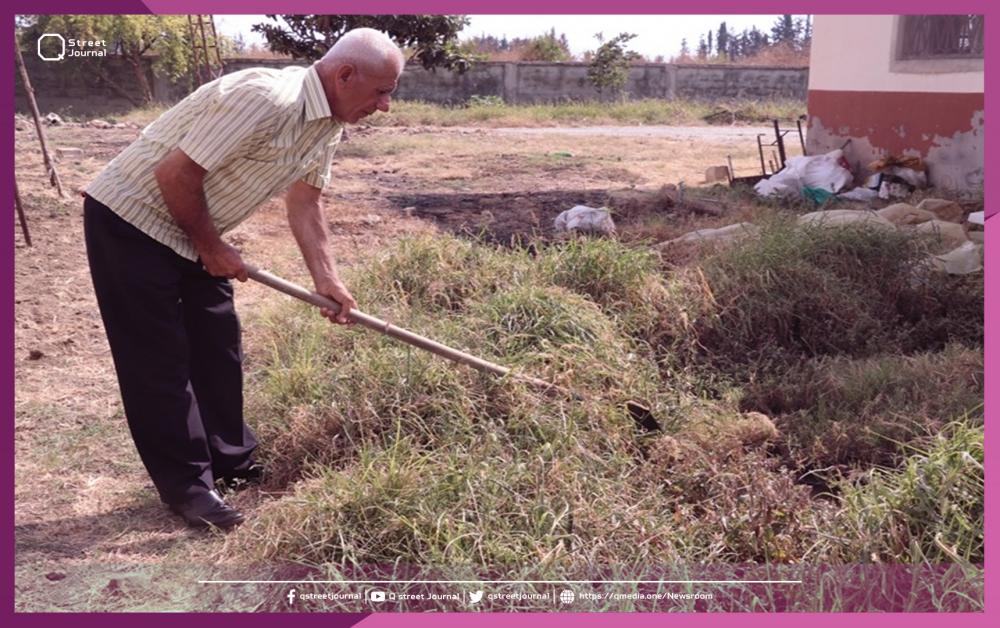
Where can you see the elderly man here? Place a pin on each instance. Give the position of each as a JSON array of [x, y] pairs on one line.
[[153, 221]]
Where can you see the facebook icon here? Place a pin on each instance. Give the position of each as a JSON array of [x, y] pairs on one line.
[[291, 595]]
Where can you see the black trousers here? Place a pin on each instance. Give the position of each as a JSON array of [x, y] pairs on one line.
[[175, 340]]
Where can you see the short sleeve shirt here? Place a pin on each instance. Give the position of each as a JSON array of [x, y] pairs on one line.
[[255, 132]]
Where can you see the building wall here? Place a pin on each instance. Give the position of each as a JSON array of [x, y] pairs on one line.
[[859, 92]]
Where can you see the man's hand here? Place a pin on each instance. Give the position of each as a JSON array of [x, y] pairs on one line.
[[337, 291], [224, 260]]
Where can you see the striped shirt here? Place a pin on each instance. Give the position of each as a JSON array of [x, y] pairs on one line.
[[255, 132]]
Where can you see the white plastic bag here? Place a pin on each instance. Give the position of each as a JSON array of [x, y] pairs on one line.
[[824, 172], [585, 220]]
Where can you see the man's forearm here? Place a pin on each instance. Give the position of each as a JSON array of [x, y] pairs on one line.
[[184, 195], [309, 228]]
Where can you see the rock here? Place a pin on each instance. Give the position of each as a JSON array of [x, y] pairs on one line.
[[113, 588], [905, 214], [716, 173], [754, 428], [723, 235], [943, 209], [371, 219], [100, 124], [964, 260], [53, 119], [35, 354], [845, 217], [943, 236], [55, 576], [978, 237], [68, 152], [665, 451]]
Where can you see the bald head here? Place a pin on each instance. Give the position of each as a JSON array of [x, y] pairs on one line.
[[368, 50]]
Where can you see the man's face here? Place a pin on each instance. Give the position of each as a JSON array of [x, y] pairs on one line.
[[361, 94]]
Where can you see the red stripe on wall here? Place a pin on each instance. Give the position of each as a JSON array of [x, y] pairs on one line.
[[895, 121]]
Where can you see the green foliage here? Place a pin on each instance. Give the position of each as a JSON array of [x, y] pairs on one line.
[[930, 509], [485, 101], [430, 39], [609, 68], [547, 47]]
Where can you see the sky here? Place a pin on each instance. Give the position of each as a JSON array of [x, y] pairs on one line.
[[656, 34]]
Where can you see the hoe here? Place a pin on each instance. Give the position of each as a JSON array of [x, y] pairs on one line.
[[642, 415]]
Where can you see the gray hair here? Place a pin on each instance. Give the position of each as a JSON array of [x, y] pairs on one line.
[[369, 50]]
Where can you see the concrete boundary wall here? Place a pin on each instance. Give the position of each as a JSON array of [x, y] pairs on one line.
[[68, 86]]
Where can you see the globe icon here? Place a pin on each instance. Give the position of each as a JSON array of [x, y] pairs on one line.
[[567, 596]]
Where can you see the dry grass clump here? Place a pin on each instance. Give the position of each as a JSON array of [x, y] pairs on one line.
[[836, 411], [798, 293]]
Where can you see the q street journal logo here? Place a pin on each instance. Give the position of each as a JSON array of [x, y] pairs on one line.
[[51, 47], [55, 47]]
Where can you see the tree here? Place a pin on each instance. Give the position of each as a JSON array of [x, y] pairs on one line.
[[722, 40], [702, 48], [685, 51], [609, 68], [430, 40], [547, 47], [130, 38], [783, 31], [803, 27]]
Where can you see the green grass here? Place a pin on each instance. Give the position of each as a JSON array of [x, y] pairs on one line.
[[389, 457], [930, 509], [489, 113], [634, 112]]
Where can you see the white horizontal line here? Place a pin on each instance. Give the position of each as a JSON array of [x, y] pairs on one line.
[[499, 582]]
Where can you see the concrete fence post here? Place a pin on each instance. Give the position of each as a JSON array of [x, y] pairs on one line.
[[510, 95]]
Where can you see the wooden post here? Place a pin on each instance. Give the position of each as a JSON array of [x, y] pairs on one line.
[[50, 167], [20, 214]]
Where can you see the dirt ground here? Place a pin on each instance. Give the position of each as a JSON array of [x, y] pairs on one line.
[[90, 531]]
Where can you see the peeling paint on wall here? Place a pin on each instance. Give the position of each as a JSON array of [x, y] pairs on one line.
[[945, 130]]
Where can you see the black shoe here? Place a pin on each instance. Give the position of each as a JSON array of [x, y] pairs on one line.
[[239, 480], [208, 509]]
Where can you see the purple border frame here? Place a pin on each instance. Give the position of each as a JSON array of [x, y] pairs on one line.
[[508, 7]]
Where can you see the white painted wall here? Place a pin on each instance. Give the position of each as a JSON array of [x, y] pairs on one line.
[[854, 53]]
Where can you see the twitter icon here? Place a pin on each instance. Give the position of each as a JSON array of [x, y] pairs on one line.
[[475, 596]]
